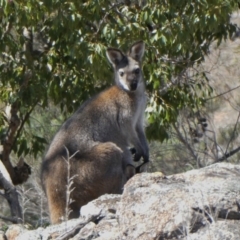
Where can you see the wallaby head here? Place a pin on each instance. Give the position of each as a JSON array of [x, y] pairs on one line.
[[22, 171], [127, 67], [19, 175]]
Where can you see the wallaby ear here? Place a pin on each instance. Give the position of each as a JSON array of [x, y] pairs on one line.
[[114, 56], [20, 162], [130, 171], [137, 51]]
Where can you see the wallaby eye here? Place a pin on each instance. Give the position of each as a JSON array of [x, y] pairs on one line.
[[137, 71], [121, 72]]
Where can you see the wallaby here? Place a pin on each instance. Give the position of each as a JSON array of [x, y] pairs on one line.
[[20, 173], [98, 137]]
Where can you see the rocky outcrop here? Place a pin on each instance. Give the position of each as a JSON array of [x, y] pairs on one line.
[[182, 205], [199, 204]]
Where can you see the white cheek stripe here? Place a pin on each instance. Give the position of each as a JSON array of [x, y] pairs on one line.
[[123, 83]]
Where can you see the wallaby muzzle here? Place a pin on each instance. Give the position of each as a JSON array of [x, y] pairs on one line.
[[133, 85]]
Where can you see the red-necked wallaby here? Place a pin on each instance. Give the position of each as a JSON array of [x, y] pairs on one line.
[[19, 174], [98, 136]]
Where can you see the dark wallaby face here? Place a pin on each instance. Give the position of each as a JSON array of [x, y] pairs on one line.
[[22, 171], [127, 68]]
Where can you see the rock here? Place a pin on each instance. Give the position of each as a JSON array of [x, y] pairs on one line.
[[219, 230], [86, 233], [105, 205], [2, 236], [177, 206], [14, 231], [101, 208], [199, 204], [50, 232]]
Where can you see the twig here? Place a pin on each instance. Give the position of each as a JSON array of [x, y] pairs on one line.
[[9, 219], [221, 94], [26, 117], [106, 15], [233, 132], [185, 142], [229, 154], [71, 233], [70, 182]]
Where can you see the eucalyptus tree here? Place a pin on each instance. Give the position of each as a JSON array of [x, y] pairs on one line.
[[54, 52]]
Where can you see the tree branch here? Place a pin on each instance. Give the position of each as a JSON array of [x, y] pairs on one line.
[[234, 130], [12, 198], [24, 121], [9, 139], [14, 124], [187, 145], [229, 154], [221, 94]]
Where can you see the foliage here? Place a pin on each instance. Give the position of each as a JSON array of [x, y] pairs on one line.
[[54, 51]]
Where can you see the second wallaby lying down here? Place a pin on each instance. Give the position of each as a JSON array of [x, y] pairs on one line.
[[99, 135]]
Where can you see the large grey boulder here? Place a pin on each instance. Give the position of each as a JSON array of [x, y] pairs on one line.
[[182, 205], [199, 204]]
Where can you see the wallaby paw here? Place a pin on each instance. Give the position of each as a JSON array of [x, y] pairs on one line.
[[137, 157]]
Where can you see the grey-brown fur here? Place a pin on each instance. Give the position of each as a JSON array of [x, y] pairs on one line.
[[99, 134]]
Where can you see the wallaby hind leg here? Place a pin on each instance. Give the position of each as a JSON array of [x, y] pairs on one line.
[[59, 211], [100, 171], [57, 205]]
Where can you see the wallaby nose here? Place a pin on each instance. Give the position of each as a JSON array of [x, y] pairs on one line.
[[133, 85]]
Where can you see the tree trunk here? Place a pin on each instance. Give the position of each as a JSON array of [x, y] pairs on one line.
[[12, 198], [9, 141]]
